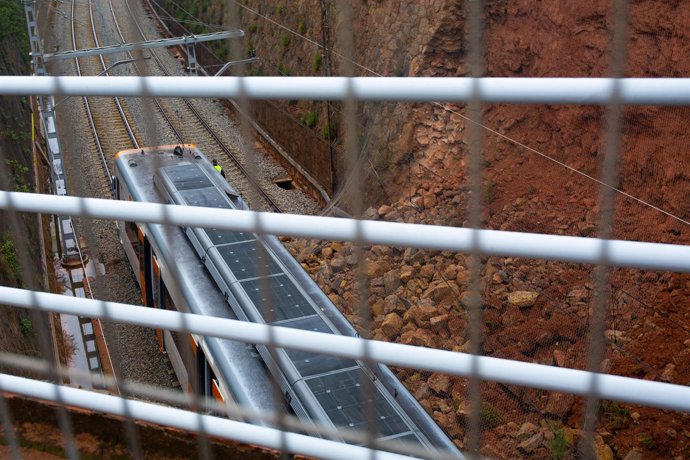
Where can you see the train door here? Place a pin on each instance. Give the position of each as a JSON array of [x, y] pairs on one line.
[[147, 273], [203, 372]]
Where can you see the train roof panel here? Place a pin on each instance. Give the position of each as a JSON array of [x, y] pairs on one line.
[[248, 259], [344, 399], [307, 363], [205, 197], [219, 237], [277, 298]]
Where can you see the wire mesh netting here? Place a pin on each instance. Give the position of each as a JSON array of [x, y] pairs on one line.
[[521, 310]]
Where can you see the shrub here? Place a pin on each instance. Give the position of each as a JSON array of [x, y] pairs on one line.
[[559, 444], [9, 255], [252, 28], [309, 119], [25, 327], [285, 40], [489, 416], [646, 440], [381, 162], [615, 415], [19, 173], [489, 192], [329, 132], [316, 64], [301, 27]]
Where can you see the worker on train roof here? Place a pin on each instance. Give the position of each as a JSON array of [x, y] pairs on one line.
[[218, 167]]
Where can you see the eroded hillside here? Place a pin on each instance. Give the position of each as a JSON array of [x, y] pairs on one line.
[[540, 169]]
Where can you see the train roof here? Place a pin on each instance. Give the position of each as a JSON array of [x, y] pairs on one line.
[[264, 283], [239, 364]]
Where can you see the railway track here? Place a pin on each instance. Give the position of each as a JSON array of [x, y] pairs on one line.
[[108, 118], [112, 128], [194, 129]]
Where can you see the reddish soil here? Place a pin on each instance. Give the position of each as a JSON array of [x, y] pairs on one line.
[[647, 318]]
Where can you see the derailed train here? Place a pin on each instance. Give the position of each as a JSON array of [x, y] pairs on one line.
[[236, 275]]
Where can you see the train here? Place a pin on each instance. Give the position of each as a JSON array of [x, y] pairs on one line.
[[241, 275]]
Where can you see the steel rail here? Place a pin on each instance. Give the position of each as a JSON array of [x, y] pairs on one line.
[[128, 127], [633, 254], [87, 107], [541, 376], [582, 91], [167, 119]]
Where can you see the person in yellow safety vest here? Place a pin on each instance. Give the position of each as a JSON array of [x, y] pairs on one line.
[[218, 167]]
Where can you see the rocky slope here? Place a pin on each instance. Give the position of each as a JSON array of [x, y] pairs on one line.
[[533, 310]]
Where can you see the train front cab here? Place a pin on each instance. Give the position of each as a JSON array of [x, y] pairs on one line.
[[188, 358]]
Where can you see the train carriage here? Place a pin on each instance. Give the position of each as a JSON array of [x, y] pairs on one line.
[[241, 275]]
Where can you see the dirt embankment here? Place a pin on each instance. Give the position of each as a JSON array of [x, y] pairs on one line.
[[20, 256]]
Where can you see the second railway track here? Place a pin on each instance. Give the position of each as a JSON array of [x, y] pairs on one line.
[[113, 123]]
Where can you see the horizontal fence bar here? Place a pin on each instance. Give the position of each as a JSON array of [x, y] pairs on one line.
[[191, 421], [564, 380], [588, 91], [633, 254]]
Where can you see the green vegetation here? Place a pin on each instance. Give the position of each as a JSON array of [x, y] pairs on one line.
[[559, 444], [646, 440], [252, 28], [19, 173], [258, 72], [310, 118], [301, 27], [316, 64], [279, 10], [329, 132], [615, 415], [13, 24], [489, 416], [381, 161], [9, 256], [285, 40], [25, 326], [282, 70], [489, 192]]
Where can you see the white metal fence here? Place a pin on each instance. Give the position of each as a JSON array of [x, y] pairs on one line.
[[603, 252]]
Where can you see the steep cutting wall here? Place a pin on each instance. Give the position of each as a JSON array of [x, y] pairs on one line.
[[20, 256], [540, 165]]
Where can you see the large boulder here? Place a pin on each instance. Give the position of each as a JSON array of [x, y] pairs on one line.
[[392, 325], [559, 405], [440, 383], [522, 299], [441, 292], [391, 281]]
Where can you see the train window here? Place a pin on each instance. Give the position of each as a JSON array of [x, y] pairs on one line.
[[116, 187], [156, 282], [167, 301], [132, 231]]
